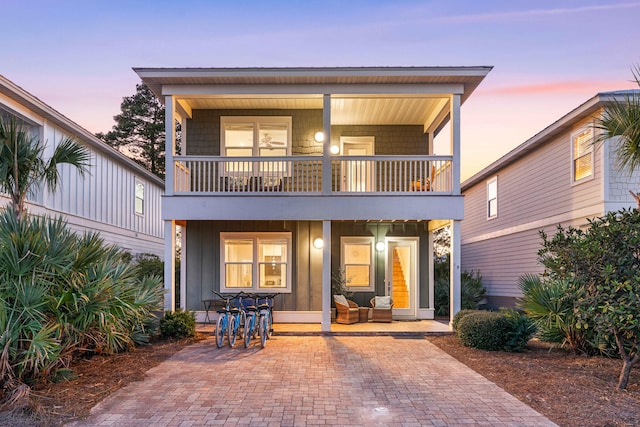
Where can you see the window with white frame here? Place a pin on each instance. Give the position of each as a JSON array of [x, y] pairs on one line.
[[139, 197], [492, 197], [357, 255], [582, 154], [255, 262]]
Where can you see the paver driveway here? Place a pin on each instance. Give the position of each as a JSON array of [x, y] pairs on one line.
[[314, 380]]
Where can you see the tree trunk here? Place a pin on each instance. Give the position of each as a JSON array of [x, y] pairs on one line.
[[624, 374]]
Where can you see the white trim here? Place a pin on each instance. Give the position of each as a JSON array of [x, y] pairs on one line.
[[255, 121], [426, 313], [137, 181], [414, 292], [573, 135], [588, 212], [370, 240], [255, 280], [489, 182], [278, 316]]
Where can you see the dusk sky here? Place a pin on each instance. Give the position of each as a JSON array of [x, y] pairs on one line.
[[549, 56]]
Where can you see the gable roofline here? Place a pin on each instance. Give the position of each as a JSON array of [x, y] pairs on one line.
[[22, 97], [565, 123], [469, 76]]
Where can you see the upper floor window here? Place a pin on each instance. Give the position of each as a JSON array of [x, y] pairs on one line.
[[357, 262], [139, 203], [582, 154], [492, 197], [258, 262], [262, 136]]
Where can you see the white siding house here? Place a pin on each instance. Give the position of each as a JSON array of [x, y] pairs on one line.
[[555, 178], [105, 199], [287, 175]]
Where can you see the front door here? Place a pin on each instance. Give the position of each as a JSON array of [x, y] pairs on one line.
[[357, 174], [402, 275]]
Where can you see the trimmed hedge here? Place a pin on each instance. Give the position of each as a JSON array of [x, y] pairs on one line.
[[504, 331], [459, 315]]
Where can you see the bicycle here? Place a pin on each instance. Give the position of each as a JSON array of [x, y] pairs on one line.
[[239, 318], [264, 322], [226, 323]]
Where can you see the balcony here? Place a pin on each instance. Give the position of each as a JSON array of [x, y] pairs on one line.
[[303, 175]]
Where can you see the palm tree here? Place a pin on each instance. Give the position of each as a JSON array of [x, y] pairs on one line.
[[23, 167], [621, 119]]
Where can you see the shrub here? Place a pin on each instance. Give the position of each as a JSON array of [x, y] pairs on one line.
[[493, 331], [472, 293], [178, 324], [459, 315], [148, 265]]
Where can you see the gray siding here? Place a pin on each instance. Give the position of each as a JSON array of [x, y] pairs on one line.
[[203, 133], [203, 258]]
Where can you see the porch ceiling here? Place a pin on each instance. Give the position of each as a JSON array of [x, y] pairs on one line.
[[345, 110]]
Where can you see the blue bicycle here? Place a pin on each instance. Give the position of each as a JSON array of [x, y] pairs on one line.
[[226, 324], [259, 320]]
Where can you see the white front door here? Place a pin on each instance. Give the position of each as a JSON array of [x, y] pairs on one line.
[[357, 175], [402, 275]]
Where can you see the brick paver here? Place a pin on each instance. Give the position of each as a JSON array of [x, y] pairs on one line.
[[314, 380]]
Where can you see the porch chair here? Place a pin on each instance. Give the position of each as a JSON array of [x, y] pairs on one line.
[[381, 311], [346, 310]]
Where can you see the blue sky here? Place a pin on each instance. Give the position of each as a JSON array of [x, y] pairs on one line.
[[548, 56]]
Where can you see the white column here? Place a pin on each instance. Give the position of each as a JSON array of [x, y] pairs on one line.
[[170, 143], [455, 142], [183, 267], [169, 265], [326, 276], [454, 272], [326, 153], [430, 266]]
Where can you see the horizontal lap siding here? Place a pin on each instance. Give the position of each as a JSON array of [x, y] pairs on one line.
[[531, 191]]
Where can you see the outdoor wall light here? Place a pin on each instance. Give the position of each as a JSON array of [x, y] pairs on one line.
[[334, 149], [318, 243], [319, 136], [380, 246]]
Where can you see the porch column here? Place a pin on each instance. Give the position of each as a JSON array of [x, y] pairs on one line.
[[326, 145], [326, 276], [169, 143], [169, 265], [430, 266], [455, 143], [454, 272]]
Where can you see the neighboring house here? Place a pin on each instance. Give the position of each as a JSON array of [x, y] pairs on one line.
[[118, 198], [558, 177], [288, 175]]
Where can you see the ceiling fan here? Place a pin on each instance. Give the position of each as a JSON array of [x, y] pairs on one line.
[[267, 141]]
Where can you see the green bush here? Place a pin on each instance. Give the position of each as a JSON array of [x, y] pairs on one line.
[[459, 315], [472, 293], [493, 331], [178, 324], [148, 265]]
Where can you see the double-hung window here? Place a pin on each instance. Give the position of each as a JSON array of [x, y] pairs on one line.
[[255, 262], [492, 197], [582, 154], [139, 197], [357, 260]]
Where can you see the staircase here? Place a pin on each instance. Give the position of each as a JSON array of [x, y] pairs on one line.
[[400, 291]]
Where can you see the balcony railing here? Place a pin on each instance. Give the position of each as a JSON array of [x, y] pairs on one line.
[[303, 175]]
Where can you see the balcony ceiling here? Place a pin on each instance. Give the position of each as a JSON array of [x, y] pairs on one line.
[[386, 110]]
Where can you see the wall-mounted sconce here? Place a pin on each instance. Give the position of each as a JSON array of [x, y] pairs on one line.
[[318, 243], [380, 246], [319, 136], [334, 149]]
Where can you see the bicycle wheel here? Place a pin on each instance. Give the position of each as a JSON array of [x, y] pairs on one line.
[[263, 331], [248, 329], [232, 329], [220, 329], [269, 324]]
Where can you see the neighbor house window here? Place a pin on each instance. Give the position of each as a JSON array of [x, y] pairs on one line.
[[492, 197], [357, 261], [255, 262], [582, 154], [139, 203]]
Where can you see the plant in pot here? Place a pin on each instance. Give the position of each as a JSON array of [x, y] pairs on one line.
[[339, 286]]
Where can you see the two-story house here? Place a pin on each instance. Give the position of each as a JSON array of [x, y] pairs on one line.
[[118, 197], [289, 175], [558, 177]]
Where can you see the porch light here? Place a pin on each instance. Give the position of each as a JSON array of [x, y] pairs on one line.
[[319, 136], [380, 246], [334, 149], [318, 243]]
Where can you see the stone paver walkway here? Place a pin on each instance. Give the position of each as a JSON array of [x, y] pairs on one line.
[[314, 380]]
